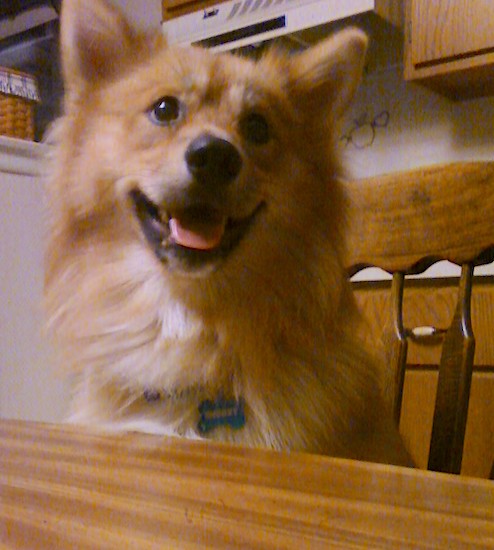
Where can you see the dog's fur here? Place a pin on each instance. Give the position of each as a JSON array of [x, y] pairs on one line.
[[272, 321]]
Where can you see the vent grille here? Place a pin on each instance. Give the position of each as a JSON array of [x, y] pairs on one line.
[[245, 32], [250, 6]]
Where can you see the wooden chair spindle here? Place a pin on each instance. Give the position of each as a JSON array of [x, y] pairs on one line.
[[455, 375], [397, 346]]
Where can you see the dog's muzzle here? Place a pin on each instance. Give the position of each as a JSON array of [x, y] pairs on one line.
[[195, 232]]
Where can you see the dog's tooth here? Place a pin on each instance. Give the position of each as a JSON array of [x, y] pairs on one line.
[[158, 227]]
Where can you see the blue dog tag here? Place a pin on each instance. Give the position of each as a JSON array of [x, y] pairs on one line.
[[222, 412]]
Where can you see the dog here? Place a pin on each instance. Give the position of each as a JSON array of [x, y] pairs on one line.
[[194, 280]]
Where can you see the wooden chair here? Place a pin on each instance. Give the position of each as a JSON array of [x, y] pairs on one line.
[[403, 223]]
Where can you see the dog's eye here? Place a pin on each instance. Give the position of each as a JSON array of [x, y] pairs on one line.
[[165, 111], [255, 128]]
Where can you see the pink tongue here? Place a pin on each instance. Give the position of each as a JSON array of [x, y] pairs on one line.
[[199, 236]]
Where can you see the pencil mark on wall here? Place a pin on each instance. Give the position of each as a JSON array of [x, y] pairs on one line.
[[363, 131]]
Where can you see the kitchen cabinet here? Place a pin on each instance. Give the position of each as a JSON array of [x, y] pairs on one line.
[[432, 303], [449, 46]]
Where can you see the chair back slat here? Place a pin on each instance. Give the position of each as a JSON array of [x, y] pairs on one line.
[[453, 387], [396, 347], [408, 221]]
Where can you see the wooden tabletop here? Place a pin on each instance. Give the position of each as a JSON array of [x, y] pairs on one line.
[[66, 488]]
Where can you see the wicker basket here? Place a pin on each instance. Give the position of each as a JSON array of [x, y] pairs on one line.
[[18, 98]]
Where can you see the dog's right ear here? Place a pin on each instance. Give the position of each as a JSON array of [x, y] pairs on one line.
[[96, 39], [324, 77]]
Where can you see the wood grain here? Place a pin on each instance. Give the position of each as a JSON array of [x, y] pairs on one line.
[[461, 27], [449, 46], [453, 386], [67, 488], [391, 11], [396, 344], [431, 303], [407, 220], [417, 412], [403, 223]]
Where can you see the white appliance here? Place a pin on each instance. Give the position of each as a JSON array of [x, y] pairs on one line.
[[239, 23]]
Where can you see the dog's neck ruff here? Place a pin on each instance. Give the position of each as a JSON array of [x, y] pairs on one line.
[[222, 411]]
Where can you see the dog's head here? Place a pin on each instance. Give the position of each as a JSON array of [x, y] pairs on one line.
[[201, 151]]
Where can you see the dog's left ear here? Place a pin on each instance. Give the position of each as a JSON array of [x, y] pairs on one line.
[[96, 39], [326, 76]]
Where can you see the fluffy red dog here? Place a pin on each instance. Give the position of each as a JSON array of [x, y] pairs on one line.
[[194, 280]]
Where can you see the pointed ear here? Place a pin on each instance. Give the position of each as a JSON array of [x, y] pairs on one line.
[[95, 38], [325, 77]]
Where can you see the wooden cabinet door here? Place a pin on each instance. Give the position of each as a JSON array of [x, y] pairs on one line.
[[418, 410], [449, 46], [432, 303], [447, 29]]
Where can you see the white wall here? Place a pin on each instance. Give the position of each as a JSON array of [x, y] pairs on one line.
[[30, 387], [144, 13], [424, 127]]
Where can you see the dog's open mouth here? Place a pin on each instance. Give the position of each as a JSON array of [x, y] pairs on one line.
[[194, 235]]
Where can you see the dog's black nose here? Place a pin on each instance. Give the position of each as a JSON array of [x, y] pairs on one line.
[[213, 160]]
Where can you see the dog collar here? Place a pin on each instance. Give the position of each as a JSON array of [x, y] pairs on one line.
[[222, 411]]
